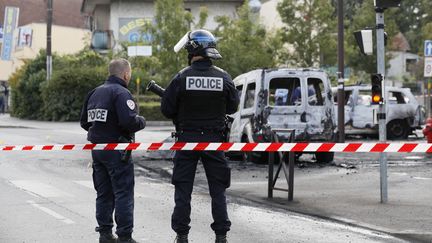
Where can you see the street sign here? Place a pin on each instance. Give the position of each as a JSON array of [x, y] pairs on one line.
[[144, 51], [428, 48], [10, 23], [428, 67]]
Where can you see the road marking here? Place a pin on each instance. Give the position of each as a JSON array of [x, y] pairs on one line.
[[414, 157], [51, 212], [88, 184], [39, 188], [400, 173], [422, 178]]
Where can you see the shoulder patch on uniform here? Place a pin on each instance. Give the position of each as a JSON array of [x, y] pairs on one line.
[[131, 104], [204, 83]]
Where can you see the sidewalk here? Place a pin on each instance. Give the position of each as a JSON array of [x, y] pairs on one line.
[[350, 196]]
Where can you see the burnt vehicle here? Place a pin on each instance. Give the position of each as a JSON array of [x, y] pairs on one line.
[[404, 114], [299, 99]]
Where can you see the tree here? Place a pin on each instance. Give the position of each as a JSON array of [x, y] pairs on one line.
[[309, 28], [171, 23], [365, 17], [412, 18], [243, 43]]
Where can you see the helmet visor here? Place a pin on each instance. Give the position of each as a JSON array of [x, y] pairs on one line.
[[182, 42]]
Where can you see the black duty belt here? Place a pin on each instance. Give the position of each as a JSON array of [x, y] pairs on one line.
[[197, 130]]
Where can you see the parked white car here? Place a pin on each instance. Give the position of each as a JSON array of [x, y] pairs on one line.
[[404, 114], [299, 99]]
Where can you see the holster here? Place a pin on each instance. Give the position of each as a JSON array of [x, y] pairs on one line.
[[127, 153]]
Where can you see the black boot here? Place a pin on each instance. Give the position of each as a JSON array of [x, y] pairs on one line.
[[181, 239], [107, 237], [221, 239], [127, 239]]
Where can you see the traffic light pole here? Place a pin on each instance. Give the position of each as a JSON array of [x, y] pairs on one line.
[[382, 106]]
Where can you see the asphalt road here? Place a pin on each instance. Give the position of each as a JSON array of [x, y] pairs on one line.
[[49, 197]]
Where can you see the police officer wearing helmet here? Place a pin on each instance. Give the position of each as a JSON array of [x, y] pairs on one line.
[[110, 115], [197, 99]]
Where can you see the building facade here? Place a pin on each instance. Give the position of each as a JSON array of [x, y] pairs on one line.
[[68, 32], [65, 40], [123, 18]]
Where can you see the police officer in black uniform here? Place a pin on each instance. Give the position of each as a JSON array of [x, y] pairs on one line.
[[110, 116], [197, 99]]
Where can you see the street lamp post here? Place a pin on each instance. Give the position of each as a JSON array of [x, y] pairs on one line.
[[48, 47], [341, 75]]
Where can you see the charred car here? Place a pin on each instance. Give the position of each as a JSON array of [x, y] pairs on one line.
[[299, 99], [404, 114]]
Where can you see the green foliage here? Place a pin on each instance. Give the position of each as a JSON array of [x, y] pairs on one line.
[[243, 44], [64, 95], [309, 29], [26, 99], [365, 17], [171, 22], [412, 19], [151, 111], [25, 83]]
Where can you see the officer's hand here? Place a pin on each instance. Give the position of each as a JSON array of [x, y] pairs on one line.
[[143, 121]]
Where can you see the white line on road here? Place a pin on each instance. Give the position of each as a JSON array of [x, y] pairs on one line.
[[88, 184], [422, 178], [51, 212], [39, 188]]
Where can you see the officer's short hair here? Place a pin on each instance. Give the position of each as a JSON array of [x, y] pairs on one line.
[[118, 66]]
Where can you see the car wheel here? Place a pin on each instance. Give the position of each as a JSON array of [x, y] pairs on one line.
[[397, 129], [324, 157]]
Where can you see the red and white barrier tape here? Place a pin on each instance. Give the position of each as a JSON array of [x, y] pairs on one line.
[[264, 147]]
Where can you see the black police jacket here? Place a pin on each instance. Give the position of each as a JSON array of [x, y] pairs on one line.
[[110, 113], [199, 97]]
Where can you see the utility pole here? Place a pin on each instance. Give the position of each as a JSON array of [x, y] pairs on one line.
[[48, 47], [341, 74], [382, 106]]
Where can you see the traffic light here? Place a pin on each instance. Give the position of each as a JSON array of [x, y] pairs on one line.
[[376, 88]]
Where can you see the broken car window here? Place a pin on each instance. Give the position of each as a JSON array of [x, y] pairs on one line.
[[397, 98], [250, 96], [316, 92], [284, 92], [364, 98]]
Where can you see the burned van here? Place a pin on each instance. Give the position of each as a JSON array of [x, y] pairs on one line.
[[299, 99]]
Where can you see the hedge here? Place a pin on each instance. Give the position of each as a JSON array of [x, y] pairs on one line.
[[64, 95], [151, 111]]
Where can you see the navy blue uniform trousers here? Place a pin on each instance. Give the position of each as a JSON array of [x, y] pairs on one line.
[[114, 183], [218, 177]]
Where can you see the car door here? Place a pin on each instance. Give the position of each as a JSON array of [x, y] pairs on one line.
[[364, 110], [235, 135], [247, 108], [288, 112]]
